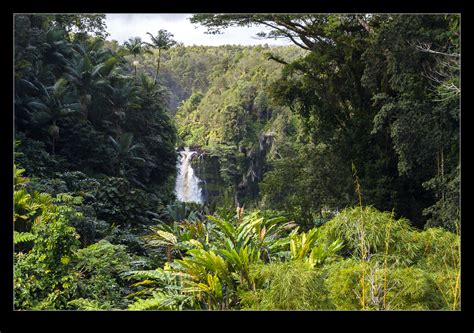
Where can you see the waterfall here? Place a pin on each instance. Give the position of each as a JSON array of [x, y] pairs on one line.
[[187, 184]]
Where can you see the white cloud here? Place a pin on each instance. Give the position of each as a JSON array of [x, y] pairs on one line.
[[124, 26]]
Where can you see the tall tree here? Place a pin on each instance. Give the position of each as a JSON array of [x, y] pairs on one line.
[[134, 47], [50, 108], [87, 71], [162, 41]]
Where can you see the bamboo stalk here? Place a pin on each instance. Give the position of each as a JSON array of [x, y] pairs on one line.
[[387, 238], [458, 277], [362, 234]]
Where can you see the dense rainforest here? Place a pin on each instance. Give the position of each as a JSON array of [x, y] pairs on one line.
[[330, 168]]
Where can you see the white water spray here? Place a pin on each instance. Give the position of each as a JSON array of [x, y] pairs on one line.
[[187, 184]]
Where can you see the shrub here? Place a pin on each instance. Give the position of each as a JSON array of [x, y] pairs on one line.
[[292, 285], [347, 226], [100, 266]]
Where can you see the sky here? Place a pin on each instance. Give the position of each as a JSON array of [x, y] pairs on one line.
[[121, 27]]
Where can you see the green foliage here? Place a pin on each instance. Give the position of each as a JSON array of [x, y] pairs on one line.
[[118, 202], [440, 248], [216, 263], [74, 95], [308, 246], [379, 91], [352, 222], [22, 237], [409, 288], [292, 285], [446, 211], [161, 301], [103, 258], [32, 155], [100, 283], [73, 92], [180, 211], [92, 23], [343, 285], [414, 262], [43, 278], [89, 305], [302, 244], [413, 111], [413, 289], [314, 193], [51, 272], [163, 285], [399, 284]]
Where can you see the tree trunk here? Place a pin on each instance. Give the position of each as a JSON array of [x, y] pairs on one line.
[[168, 253], [134, 64], [84, 101], [442, 174], [158, 64]]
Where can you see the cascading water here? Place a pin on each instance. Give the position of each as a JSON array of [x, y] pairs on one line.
[[187, 187]]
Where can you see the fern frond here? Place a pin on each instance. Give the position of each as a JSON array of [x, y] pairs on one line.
[[22, 237]]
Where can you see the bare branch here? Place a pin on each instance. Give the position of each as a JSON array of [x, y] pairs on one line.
[[285, 33], [279, 60], [364, 24], [426, 47]]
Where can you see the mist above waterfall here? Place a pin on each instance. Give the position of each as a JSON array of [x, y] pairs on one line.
[[187, 186]]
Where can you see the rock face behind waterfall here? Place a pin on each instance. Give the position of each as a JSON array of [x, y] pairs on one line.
[[207, 168], [188, 187], [249, 165]]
